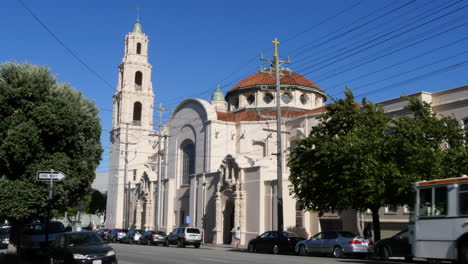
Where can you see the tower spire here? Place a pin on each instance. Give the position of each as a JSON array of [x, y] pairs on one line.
[[137, 27]]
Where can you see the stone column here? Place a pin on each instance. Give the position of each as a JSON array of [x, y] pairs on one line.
[[138, 215], [149, 215], [218, 236]]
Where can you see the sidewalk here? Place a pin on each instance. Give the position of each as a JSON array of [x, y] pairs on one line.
[[210, 245]]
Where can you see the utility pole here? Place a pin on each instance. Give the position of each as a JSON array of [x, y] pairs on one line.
[[279, 155], [160, 141]]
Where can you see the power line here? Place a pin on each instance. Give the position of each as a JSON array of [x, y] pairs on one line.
[[63, 44]]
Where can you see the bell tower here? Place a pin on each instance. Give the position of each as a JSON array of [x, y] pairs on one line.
[[131, 128]]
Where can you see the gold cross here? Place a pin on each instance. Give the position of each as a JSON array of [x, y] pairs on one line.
[[276, 43]]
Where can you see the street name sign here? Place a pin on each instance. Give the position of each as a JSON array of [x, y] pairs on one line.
[[50, 176]]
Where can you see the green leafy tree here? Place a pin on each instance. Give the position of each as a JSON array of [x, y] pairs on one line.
[[359, 158], [44, 125]]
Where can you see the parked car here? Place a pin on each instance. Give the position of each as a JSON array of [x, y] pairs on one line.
[[116, 235], [34, 239], [153, 238], [182, 236], [395, 246], [274, 241], [132, 236], [103, 233], [4, 236], [335, 243], [82, 247]]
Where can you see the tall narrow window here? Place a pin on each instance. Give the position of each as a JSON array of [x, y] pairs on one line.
[[188, 161], [138, 80], [299, 214], [137, 114], [138, 48]]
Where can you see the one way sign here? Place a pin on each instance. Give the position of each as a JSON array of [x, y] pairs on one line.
[[50, 176]]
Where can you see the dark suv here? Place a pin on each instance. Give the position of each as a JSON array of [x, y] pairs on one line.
[[116, 235], [182, 236], [34, 240]]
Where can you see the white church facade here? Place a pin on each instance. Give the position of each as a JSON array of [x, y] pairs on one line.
[[218, 158]]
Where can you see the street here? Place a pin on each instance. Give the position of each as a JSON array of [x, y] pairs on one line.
[[137, 254]]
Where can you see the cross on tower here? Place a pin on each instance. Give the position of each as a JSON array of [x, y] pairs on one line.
[[276, 43]]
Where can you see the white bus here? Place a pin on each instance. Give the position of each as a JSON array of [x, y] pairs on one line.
[[440, 225]]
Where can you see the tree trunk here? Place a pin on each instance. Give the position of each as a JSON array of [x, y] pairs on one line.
[[376, 223]]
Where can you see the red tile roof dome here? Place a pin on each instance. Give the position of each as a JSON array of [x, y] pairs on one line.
[[265, 78]]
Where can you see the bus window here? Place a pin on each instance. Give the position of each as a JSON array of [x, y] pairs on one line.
[[441, 201], [425, 202], [433, 201], [464, 199]]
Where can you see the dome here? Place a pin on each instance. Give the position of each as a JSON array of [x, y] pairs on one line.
[[137, 27], [217, 95], [265, 78]]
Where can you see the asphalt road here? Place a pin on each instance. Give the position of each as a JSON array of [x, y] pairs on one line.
[[137, 254]]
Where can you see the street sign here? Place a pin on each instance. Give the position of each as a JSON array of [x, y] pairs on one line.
[[50, 176]]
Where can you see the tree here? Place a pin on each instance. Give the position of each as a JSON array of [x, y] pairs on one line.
[[44, 125], [359, 158]]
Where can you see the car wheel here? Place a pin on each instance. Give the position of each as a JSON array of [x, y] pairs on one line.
[[180, 243], [166, 243], [275, 249], [302, 251], [197, 245], [384, 254], [338, 252], [251, 248]]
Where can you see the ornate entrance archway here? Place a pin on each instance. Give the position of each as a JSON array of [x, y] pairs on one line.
[[229, 201]]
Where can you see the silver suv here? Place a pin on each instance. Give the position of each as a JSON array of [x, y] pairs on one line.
[[182, 236]]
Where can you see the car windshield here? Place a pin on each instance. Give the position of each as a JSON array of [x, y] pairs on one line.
[[289, 234], [35, 229], [83, 239], [193, 230], [347, 234], [161, 233]]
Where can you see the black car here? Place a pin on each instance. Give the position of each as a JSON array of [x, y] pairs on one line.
[[153, 238], [395, 246], [82, 248], [116, 235], [274, 242]]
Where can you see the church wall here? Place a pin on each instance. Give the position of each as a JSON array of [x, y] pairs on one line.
[[209, 218], [254, 204]]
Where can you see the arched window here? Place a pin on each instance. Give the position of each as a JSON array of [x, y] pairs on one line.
[[188, 161], [138, 48], [299, 214], [137, 114], [258, 149], [138, 80]]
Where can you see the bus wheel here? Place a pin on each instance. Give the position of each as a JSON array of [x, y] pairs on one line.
[[463, 252]]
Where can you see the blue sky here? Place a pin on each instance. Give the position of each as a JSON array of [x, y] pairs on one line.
[[380, 49]]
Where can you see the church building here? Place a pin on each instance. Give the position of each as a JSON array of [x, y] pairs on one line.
[[215, 160]]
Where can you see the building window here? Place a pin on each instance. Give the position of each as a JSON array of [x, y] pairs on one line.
[[188, 161], [299, 214], [304, 99], [286, 97], [251, 99], [137, 114], [134, 174], [235, 103], [138, 48], [268, 98], [138, 80]]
